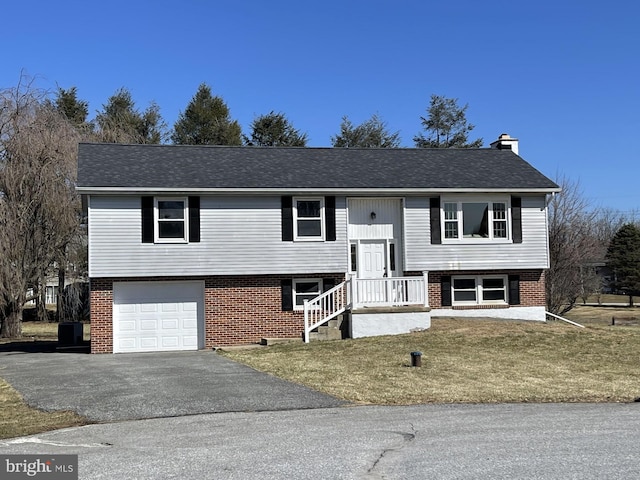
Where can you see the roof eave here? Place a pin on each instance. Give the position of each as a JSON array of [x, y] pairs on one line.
[[270, 191]]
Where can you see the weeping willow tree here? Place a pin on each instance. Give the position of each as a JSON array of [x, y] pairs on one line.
[[38, 204]]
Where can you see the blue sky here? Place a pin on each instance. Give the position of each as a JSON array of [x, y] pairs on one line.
[[562, 76]]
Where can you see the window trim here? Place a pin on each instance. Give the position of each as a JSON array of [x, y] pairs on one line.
[[354, 246], [321, 218], [157, 220], [479, 290], [459, 220], [294, 292]]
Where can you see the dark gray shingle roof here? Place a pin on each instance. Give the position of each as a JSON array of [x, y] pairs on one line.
[[129, 167]]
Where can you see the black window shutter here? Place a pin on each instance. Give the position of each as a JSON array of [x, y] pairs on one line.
[[287, 219], [516, 219], [514, 289], [434, 217], [328, 284], [146, 204], [445, 291], [330, 218], [287, 294], [194, 219]]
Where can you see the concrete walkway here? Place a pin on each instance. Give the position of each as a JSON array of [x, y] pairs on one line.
[[149, 385]]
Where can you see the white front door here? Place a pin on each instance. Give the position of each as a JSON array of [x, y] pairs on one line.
[[373, 259], [373, 266]]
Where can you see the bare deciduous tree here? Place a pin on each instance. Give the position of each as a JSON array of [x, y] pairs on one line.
[[38, 204], [572, 246]]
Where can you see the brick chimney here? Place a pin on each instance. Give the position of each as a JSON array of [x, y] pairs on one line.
[[505, 142]]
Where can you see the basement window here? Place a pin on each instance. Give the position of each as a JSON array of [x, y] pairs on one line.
[[305, 289], [479, 290]]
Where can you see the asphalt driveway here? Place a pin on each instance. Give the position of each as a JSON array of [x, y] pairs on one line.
[[149, 385]]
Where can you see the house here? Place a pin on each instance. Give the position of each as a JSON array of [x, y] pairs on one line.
[[203, 246]]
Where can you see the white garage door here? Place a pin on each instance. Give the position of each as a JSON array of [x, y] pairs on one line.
[[157, 316]]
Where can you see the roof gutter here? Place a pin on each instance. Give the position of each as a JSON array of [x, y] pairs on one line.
[[271, 191]]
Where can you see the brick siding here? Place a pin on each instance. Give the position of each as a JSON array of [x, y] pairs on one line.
[[244, 309], [532, 290], [101, 301], [237, 309]]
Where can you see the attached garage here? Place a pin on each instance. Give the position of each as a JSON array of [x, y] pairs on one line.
[[158, 316]]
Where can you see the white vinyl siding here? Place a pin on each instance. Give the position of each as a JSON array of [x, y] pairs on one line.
[[420, 254], [239, 236], [387, 221]]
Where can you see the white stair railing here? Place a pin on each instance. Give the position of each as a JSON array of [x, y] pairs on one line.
[[324, 307], [558, 317], [389, 291]]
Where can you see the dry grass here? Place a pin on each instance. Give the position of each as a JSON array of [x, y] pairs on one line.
[[18, 419], [588, 315], [611, 298], [48, 331], [467, 361]]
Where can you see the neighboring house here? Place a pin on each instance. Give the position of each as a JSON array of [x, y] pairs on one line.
[[51, 293], [204, 246]]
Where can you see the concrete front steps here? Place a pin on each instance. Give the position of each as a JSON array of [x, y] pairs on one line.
[[334, 329]]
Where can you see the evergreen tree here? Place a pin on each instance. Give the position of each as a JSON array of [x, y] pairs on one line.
[[623, 258], [75, 110], [372, 133], [446, 126], [206, 121], [121, 121], [275, 130]]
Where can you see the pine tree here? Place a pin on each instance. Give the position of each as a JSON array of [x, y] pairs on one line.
[[623, 258], [372, 133], [121, 121], [75, 110], [275, 130], [206, 121], [446, 126]]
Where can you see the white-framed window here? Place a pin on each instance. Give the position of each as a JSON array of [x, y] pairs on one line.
[[475, 220], [479, 290], [353, 257], [308, 218], [51, 295], [171, 219], [305, 289]]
